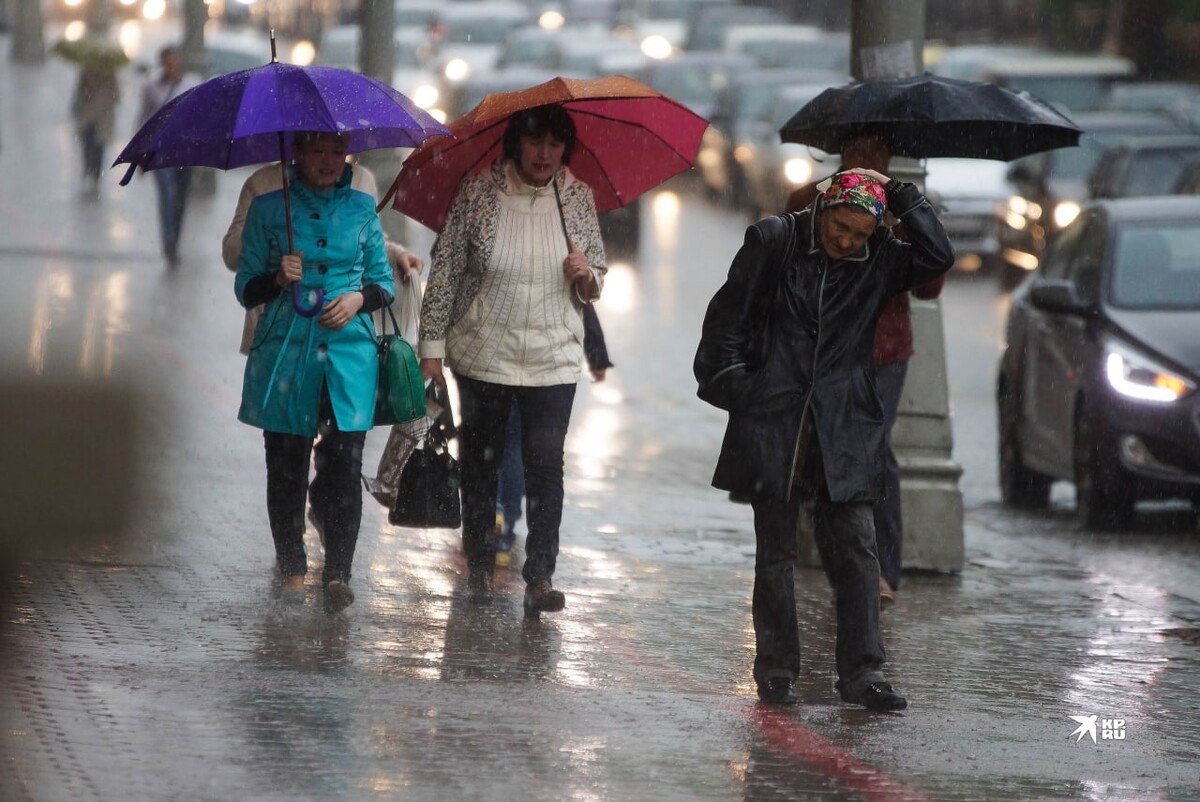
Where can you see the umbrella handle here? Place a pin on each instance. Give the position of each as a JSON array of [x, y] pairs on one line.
[[298, 302]]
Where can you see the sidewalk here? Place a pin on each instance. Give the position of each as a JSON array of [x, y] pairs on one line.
[[159, 667]]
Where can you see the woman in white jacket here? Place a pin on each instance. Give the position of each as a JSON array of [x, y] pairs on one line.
[[519, 256]]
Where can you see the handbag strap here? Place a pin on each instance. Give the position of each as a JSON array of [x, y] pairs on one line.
[[383, 325]]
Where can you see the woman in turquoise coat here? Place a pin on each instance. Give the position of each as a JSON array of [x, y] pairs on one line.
[[310, 375]]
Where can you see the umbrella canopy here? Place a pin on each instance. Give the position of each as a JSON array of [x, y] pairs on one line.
[[929, 116], [249, 117], [91, 52], [629, 139]]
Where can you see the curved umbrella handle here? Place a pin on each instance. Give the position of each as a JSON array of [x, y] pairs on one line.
[[298, 302]]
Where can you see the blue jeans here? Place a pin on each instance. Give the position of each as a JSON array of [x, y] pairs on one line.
[[889, 519], [510, 489], [545, 413], [172, 184]]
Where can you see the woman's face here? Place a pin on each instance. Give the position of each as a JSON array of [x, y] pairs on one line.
[[320, 161], [845, 229], [539, 158]]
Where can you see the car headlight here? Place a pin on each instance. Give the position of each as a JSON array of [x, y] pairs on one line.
[[1138, 376], [1065, 213], [425, 96], [656, 46], [798, 171], [457, 69]]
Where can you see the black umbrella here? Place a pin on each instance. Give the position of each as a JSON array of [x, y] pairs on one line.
[[927, 116]]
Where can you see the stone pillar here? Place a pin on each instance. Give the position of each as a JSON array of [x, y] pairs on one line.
[[887, 39]]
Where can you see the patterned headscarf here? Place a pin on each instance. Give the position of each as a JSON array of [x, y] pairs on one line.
[[860, 190]]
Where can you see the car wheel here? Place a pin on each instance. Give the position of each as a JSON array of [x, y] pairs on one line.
[[1102, 498], [1020, 486]]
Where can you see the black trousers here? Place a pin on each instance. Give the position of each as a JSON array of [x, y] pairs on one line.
[[845, 536], [545, 413], [335, 493]]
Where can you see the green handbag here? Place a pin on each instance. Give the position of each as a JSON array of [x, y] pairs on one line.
[[400, 393]]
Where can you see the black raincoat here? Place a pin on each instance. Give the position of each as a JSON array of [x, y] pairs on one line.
[[790, 334]]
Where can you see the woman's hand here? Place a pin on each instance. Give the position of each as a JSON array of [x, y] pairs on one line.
[[341, 310], [880, 177], [578, 272], [291, 267], [432, 369]]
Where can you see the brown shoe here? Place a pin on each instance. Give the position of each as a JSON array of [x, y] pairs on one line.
[[338, 596], [886, 594], [291, 589], [540, 598]]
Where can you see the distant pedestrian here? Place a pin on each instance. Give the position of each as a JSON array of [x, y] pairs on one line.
[[93, 107], [171, 182], [314, 374], [893, 348], [787, 349]]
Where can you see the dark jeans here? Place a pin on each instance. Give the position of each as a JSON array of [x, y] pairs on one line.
[[93, 152], [845, 539], [544, 413], [172, 184], [335, 493], [510, 488], [889, 520]]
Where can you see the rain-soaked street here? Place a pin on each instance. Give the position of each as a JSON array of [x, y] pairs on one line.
[[159, 667]]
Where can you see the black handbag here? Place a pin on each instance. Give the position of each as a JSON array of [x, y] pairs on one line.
[[427, 496]]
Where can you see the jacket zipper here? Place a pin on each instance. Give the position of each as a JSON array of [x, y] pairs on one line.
[[813, 384]]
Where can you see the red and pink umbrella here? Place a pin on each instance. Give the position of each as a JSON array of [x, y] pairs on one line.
[[629, 139]]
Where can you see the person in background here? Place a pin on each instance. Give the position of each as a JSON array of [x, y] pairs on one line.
[[314, 374], [893, 349], [786, 348], [93, 107], [171, 183], [510, 488], [504, 309]]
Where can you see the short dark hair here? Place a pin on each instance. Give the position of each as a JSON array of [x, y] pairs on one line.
[[549, 119], [306, 138]]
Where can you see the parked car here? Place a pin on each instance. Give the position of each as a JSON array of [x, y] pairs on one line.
[[340, 47], [706, 31], [745, 103], [1098, 381], [1141, 166], [1050, 186], [694, 79], [967, 193], [664, 19], [800, 47], [468, 36], [773, 168], [1163, 97]]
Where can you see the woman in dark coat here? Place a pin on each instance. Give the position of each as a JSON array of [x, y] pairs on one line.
[[787, 350]]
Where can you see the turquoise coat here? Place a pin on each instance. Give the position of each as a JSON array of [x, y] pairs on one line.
[[292, 356]]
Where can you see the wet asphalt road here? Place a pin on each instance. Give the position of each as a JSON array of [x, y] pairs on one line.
[[158, 667]]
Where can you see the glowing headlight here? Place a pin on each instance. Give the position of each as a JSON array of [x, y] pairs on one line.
[[1065, 212], [656, 46], [551, 20], [1137, 376], [425, 96], [303, 52], [154, 9], [457, 69], [798, 171]]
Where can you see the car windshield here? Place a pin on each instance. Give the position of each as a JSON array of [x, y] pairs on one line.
[[479, 30], [1153, 170], [1157, 266], [1076, 92]]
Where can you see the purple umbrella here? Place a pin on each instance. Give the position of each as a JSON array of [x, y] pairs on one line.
[[250, 116]]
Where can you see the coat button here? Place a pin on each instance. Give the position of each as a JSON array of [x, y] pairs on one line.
[[314, 216], [322, 269], [321, 243]]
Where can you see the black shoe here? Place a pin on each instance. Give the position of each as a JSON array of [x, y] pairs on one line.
[[877, 696], [778, 691], [479, 585], [338, 596], [540, 598]]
